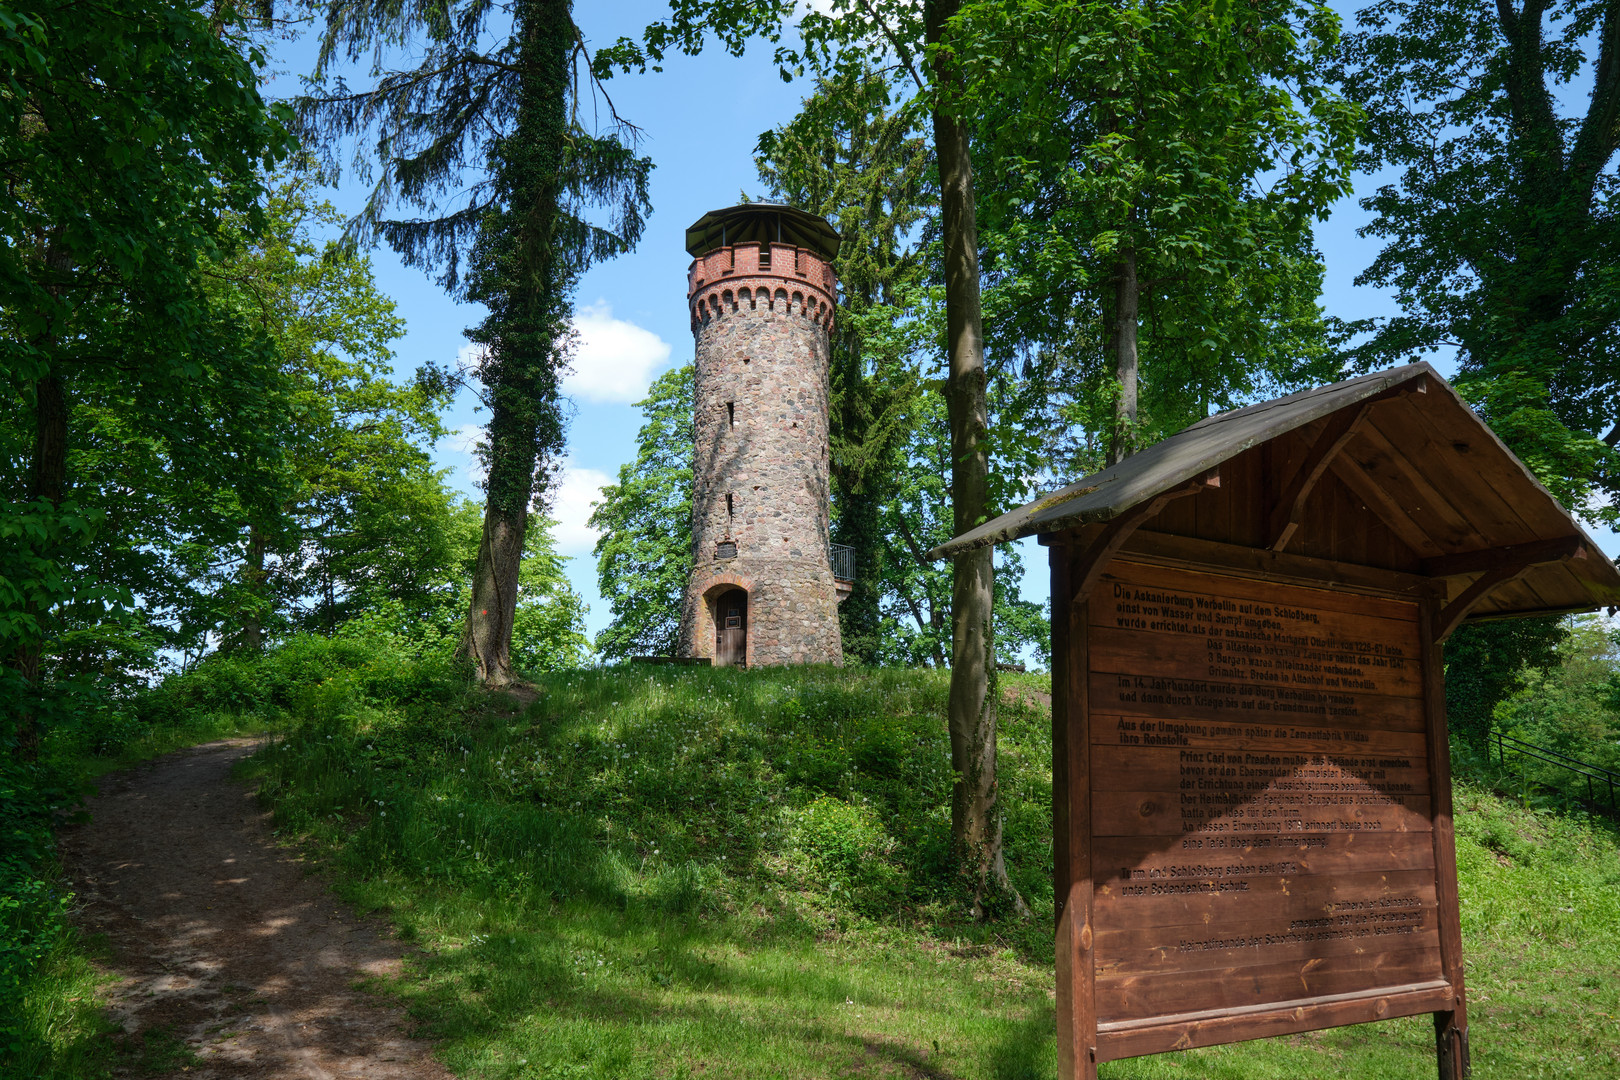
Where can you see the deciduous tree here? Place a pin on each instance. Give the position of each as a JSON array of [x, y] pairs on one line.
[[126, 132], [644, 554]]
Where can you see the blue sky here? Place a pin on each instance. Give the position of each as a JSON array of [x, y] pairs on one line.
[[701, 118]]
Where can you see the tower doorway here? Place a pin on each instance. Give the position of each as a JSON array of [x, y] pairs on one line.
[[731, 629]]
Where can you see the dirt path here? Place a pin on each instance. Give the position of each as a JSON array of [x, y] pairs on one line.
[[232, 961]]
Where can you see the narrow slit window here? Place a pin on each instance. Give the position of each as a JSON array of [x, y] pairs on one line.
[[729, 511], [731, 413]]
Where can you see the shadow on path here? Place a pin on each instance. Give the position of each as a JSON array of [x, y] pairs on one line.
[[220, 938]]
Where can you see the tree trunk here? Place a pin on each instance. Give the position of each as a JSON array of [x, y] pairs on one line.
[[1122, 343], [487, 640], [975, 809], [525, 283], [47, 482], [254, 578]]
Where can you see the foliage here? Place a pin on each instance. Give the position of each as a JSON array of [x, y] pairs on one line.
[[644, 524], [1176, 152], [852, 158], [917, 596], [366, 521], [1500, 228], [128, 133], [116, 191], [1486, 663], [503, 99], [548, 631], [1572, 705], [33, 909]]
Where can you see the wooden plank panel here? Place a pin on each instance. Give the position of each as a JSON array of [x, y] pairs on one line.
[[1167, 991], [1384, 464], [1473, 442], [1416, 434], [1123, 1039], [1244, 588], [1389, 510], [1196, 947], [1157, 548], [1317, 853], [1253, 773], [1173, 813], [1345, 663], [1261, 788], [1201, 712], [1381, 895], [1160, 993]]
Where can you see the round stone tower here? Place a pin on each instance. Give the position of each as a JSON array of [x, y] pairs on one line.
[[761, 291]]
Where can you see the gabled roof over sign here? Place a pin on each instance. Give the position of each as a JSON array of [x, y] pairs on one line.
[[1395, 455]]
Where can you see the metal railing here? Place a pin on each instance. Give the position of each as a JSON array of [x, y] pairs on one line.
[[1599, 780], [843, 562]]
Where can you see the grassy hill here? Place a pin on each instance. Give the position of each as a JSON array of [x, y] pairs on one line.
[[681, 872]]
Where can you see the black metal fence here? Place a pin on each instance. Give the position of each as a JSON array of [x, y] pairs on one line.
[[843, 562], [1601, 784]]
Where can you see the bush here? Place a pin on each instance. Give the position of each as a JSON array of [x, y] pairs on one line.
[[32, 907]]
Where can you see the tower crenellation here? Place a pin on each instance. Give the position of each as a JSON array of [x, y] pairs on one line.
[[762, 294]]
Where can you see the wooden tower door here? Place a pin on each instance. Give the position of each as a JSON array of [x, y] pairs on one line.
[[731, 629]]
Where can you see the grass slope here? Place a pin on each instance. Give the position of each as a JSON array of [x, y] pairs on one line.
[[677, 872]]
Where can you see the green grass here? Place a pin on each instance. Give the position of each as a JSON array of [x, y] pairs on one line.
[[670, 872]]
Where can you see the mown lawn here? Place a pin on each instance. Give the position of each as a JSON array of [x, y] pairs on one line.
[[676, 872]]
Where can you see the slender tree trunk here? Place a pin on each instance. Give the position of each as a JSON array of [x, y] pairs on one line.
[[253, 608], [1123, 341], [975, 808]]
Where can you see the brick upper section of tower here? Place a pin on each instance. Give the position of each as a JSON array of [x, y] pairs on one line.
[[777, 277]]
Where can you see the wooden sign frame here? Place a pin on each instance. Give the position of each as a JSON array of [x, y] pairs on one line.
[[1126, 989]]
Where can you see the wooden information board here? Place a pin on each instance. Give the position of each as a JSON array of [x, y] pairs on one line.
[[1256, 799]]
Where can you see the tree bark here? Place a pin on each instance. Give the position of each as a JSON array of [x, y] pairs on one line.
[[1123, 344], [525, 283], [254, 578], [47, 482], [975, 807], [487, 640]]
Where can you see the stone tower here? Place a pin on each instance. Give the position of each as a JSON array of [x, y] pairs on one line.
[[762, 291]]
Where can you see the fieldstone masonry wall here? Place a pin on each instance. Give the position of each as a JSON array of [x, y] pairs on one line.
[[760, 468]]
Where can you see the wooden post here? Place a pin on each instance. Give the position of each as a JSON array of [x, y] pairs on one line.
[[1071, 824], [1450, 1026]]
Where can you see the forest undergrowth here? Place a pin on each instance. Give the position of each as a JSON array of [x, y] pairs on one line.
[[677, 871]]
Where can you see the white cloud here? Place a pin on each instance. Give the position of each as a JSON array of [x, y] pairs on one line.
[[615, 359], [577, 488], [464, 440]]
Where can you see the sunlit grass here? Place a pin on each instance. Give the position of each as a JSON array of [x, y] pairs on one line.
[[679, 872]]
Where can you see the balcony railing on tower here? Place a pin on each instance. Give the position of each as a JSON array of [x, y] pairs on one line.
[[843, 562]]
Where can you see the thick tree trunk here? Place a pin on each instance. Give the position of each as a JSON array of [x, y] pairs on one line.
[[525, 284], [1122, 343], [47, 482], [487, 640], [975, 809]]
